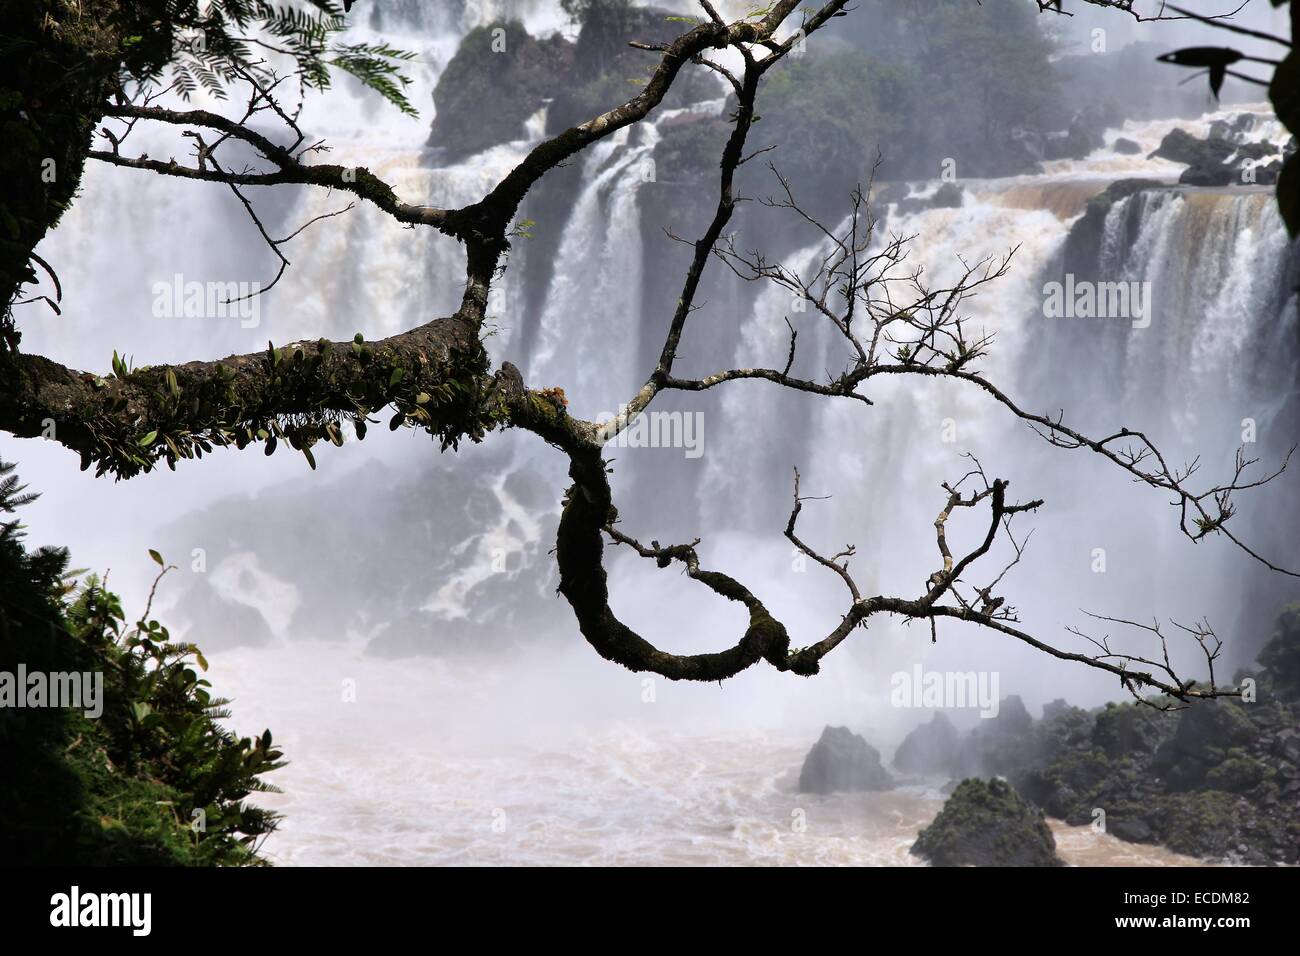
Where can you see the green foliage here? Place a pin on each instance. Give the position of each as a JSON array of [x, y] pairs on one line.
[[987, 69], [580, 11], [498, 78], [220, 42], [831, 114], [692, 145], [986, 823], [155, 778], [954, 86]]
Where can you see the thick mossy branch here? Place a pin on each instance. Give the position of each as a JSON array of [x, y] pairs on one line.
[[435, 376]]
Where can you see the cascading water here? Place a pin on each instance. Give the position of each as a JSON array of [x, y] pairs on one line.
[[599, 261], [589, 763]]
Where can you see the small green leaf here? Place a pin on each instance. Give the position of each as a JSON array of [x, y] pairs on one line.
[[148, 439], [156, 557]]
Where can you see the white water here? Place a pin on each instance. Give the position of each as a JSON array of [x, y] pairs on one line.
[[581, 768], [608, 779]]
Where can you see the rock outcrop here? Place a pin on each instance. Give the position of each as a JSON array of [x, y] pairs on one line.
[[1219, 160], [1002, 744], [1219, 779], [499, 77], [1085, 132], [933, 748], [986, 823], [843, 761]]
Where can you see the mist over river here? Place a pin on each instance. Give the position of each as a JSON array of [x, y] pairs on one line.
[[445, 763]]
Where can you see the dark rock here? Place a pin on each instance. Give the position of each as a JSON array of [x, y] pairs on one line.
[[1214, 161], [986, 823], [485, 95], [529, 489], [891, 193], [1254, 152], [603, 63], [218, 622], [1122, 731], [1126, 147], [1180, 146], [1281, 656], [932, 748], [1005, 743], [840, 761], [1132, 830], [1207, 176], [1083, 244], [1084, 134], [1235, 129], [947, 196], [1219, 779], [1266, 175]]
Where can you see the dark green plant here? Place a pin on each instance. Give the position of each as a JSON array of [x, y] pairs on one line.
[[831, 115], [155, 778], [212, 44]]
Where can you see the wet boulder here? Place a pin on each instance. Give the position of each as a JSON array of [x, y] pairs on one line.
[[1281, 656], [843, 761], [500, 76], [1180, 146], [1005, 743], [1134, 732], [1202, 741], [986, 823], [932, 748], [947, 196], [1215, 160], [1085, 133]]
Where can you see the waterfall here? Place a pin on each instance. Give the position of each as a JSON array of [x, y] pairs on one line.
[[591, 317], [1202, 252], [355, 272], [1214, 371]]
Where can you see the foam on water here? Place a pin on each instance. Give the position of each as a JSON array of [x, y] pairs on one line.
[[426, 767]]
